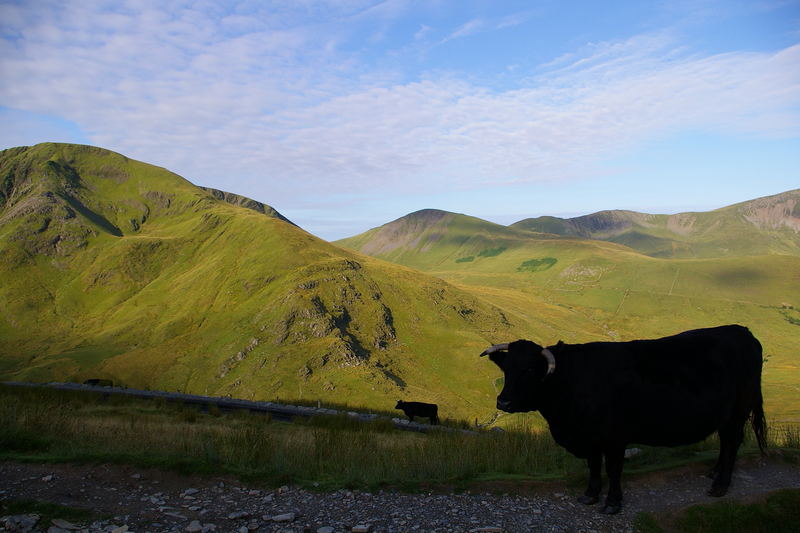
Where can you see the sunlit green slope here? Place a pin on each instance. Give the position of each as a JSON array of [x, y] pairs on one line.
[[117, 269], [623, 294], [769, 225]]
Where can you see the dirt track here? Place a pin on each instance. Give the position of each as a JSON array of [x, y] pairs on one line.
[[151, 500]]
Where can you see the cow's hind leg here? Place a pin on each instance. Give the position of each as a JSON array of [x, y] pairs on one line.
[[730, 438], [592, 494], [712, 474], [614, 460]]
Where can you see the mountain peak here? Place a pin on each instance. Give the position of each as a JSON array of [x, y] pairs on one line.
[[405, 232], [428, 213]]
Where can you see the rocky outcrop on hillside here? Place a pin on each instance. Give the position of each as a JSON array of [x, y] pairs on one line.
[[337, 300], [248, 203], [774, 212]]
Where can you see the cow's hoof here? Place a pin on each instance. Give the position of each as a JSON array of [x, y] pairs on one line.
[[588, 500], [611, 509], [716, 492]]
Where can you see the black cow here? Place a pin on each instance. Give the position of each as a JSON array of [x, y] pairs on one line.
[[599, 397], [97, 382], [425, 410]]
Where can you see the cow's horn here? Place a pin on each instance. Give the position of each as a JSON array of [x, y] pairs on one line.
[[551, 361], [495, 348]]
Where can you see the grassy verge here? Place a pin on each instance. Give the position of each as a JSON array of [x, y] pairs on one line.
[[778, 513], [326, 452], [323, 452]]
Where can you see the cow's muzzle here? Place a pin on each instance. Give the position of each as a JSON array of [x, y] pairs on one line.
[[504, 405]]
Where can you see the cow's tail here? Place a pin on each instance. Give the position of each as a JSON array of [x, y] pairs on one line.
[[757, 418], [759, 421]]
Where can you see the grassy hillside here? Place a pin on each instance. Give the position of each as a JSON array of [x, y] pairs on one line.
[[769, 225], [117, 269], [582, 290]]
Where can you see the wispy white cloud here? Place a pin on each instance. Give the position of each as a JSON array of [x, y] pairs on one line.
[[268, 95], [465, 30], [423, 32], [481, 25]]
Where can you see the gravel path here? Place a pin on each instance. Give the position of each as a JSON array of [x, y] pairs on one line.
[[151, 500]]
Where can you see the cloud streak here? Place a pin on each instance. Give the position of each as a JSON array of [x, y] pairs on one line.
[[280, 97]]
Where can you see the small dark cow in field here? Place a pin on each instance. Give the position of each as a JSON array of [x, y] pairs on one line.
[[599, 397], [96, 382], [425, 410]]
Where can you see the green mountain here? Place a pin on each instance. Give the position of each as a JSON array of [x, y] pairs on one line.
[[769, 225], [429, 237], [113, 268], [607, 291]]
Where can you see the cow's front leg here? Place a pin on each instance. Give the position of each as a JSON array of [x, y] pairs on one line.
[[592, 494], [614, 460]]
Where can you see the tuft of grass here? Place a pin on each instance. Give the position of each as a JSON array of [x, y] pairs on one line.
[[780, 513], [646, 522], [786, 435], [790, 319]]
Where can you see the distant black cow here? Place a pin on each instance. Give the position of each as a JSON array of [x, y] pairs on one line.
[[99, 382], [599, 397], [425, 410]]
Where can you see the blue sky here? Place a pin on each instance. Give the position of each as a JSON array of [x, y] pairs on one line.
[[347, 114]]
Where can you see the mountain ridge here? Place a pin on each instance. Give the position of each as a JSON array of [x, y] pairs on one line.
[[249, 203], [769, 224], [765, 225]]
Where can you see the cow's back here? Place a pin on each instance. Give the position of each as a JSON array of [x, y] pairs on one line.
[[669, 391]]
